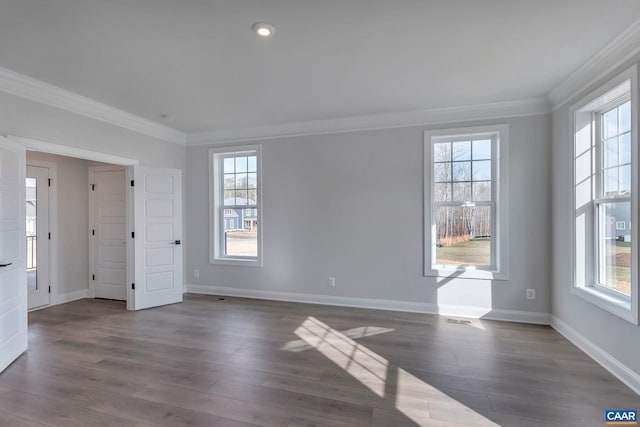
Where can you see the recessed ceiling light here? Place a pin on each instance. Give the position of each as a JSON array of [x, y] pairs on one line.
[[263, 30]]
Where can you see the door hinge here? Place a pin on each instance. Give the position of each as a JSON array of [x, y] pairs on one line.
[[49, 236], [49, 182], [133, 235], [132, 183], [93, 187], [133, 286], [49, 289], [93, 277], [93, 232]]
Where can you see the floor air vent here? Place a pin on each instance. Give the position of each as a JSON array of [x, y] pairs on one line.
[[221, 299], [458, 321]]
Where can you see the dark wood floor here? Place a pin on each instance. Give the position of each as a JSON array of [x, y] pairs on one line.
[[243, 362]]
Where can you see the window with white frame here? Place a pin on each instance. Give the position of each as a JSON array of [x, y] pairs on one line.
[[464, 213], [605, 196], [236, 191]]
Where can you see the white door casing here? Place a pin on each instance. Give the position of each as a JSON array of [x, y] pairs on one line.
[[39, 292], [108, 232], [157, 207], [13, 280]]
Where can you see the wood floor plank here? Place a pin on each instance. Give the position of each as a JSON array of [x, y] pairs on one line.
[[243, 362]]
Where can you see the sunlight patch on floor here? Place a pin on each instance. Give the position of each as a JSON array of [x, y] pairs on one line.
[[355, 333], [413, 396]]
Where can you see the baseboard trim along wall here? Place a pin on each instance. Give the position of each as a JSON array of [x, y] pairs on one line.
[[607, 361], [377, 304], [71, 296]]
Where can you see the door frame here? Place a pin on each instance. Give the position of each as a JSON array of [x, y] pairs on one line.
[[92, 225], [80, 153], [53, 228]]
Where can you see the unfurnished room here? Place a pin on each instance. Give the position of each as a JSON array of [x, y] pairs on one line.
[[319, 213]]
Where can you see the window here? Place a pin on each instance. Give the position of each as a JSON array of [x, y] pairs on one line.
[[464, 214], [236, 191], [605, 194]]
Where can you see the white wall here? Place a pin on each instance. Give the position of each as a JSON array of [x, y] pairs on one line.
[[610, 333], [71, 239], [350, 205]]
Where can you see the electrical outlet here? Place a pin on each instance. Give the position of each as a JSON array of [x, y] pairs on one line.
[[531, 294], [332, 281], [196, 272]]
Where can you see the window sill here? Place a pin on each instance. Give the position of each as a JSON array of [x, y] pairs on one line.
[[239, 262], [618, 306], [465, 273]]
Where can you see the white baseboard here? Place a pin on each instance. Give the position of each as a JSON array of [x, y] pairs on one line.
[[71, 296], [378, 304], [607, 361]]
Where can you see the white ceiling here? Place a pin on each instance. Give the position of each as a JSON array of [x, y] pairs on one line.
[[199, 61]]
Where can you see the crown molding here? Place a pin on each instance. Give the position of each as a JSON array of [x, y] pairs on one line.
[[496, 110], [613, 55], [35, 90]]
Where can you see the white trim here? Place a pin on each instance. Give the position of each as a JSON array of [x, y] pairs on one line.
[[53, 96], [613, 55], [66, 150], [72, 296], [377, 304], [501, 199], [496, 110], [53, 226], [604, 359]]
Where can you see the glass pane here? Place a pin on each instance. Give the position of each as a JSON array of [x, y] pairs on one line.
[[253, 164], [31, 218], [462, 171], [253, 197], [442, 152], [462, 192], [615, 246], [625, 179], [229, 181], [442, 172], [462, 150], [253, 180], [241, 164], [610, 123], [610, 152], [625, 148], [229, 197], [242, 180], [482, 149], [625, 117], [482, 170], [242, 239], [241, 197], [442, 192], [229, 165], [463, 235], [610, 179], [482, 191]]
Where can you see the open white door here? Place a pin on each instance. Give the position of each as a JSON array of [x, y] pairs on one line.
[[13, 267], [157, 210]]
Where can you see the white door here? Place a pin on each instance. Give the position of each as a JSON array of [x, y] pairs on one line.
[[37, 215], [157, 210], [13, 280], [109, 232]]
